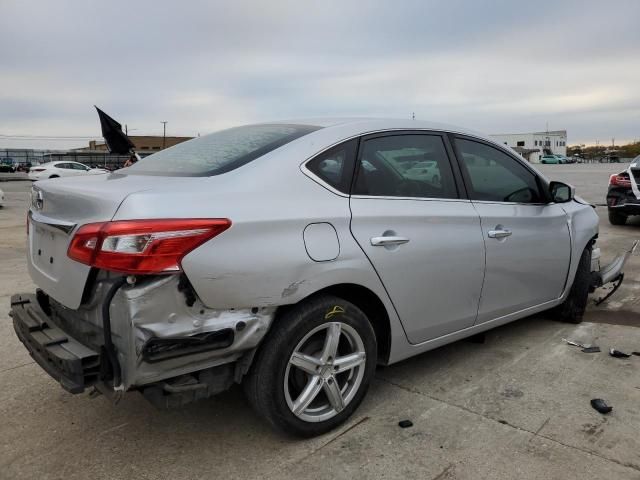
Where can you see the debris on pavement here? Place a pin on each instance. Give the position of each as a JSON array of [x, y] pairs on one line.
[[586, 347], [593, 349], [600, 405], [618, 354], [405, 423]]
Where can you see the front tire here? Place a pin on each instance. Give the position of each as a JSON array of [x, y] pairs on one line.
[[572, 309], [314, 367], [617, 218]]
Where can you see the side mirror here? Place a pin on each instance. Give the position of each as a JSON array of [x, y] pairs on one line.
[[561, 192]]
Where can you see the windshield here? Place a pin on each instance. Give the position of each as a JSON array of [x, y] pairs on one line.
[[220, 152]]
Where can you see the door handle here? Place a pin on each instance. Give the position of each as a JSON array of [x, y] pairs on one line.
[[386, 241], [501, 233]]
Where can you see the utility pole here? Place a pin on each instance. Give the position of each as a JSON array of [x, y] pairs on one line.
[[164, 133]]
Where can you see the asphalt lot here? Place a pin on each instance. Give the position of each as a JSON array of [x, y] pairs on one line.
[[516, 406]]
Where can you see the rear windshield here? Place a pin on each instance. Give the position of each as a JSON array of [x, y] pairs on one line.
[[219, 152]]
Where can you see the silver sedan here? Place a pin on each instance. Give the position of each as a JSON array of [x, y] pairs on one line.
[[293, 258]]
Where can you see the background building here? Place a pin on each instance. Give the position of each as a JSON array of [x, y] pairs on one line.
[[95, 155], [533, 145], [143, 143]]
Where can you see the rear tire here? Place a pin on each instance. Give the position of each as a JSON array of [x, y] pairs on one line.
[[617, 218], [572, 309], [296, 357]]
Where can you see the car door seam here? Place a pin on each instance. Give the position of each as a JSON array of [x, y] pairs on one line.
[[384, 287], [484, 270]]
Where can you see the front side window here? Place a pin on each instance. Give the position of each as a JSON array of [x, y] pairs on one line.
[[405, 166], [495, 176], [335, 166], [220, 152]]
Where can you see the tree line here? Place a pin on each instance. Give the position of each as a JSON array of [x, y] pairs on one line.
[[630, 150]]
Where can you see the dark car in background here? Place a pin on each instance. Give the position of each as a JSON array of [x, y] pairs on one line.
[[623, 195], [7, 165]]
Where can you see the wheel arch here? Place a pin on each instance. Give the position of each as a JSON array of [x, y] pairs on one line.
[[370, 304]]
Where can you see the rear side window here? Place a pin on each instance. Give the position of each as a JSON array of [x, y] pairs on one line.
[[496, 176], [335, 166], [405, 166], [220, 152]]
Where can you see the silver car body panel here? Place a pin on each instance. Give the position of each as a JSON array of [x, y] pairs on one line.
[[263, 260], [444, 248], [530, 265]]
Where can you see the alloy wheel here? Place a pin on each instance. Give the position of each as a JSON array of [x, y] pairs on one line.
[[324, 372]]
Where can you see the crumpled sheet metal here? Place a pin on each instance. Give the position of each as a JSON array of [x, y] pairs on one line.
[[158, 309]]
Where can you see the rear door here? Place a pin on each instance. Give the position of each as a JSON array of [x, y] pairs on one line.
[[527, 238], [422, 238]]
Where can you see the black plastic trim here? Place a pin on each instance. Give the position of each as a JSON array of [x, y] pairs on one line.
[[69, 362]]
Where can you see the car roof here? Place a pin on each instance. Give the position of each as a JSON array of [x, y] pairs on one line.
[[373, 124], [337, 129]]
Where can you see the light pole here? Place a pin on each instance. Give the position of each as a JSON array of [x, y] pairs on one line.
[[164, 133], [126, 129]]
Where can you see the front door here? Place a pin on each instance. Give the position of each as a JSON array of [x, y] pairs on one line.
[[527, 239], [424, 241]]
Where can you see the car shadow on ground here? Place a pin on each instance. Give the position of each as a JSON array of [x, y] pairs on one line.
[[447, 367]]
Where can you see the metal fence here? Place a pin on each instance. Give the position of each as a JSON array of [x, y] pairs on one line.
[[22, 159]]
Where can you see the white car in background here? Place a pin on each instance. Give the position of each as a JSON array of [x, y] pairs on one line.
[[62, 169]]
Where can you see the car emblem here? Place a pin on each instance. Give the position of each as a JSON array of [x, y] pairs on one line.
[[37, 199]]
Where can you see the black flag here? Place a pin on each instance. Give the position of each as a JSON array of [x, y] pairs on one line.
[[117, 141]]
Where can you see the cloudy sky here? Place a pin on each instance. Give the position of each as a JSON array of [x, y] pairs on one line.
[[493, 66]]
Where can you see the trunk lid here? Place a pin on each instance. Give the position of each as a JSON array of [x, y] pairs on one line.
[[58, 207]]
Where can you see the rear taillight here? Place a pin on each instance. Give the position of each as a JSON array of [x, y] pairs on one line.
[[35, 170], [620, 180], [142, 246]]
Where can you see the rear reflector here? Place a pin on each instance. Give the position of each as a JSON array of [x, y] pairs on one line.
[[620, 179], [139, 247]]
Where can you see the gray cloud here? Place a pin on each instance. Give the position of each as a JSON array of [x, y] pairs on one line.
[[492, 66]]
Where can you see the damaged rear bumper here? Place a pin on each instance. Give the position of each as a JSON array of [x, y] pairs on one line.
[[69, 362], [165, 341]]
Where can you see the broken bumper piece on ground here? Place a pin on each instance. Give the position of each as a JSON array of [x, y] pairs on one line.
[[613, 273]]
